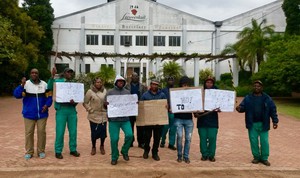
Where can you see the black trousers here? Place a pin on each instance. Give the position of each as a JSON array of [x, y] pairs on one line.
[[140, 131], [156, 129]]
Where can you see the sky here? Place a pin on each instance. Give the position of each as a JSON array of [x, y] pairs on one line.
[[214, 10]]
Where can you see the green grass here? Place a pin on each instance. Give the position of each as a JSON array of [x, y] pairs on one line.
[[288, 106]]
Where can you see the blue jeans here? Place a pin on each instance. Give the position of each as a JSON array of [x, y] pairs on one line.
[[188, 126]]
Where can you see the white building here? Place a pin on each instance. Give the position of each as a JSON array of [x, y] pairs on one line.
[[144, 26]]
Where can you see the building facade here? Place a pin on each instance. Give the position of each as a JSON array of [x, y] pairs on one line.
[[147, 27]]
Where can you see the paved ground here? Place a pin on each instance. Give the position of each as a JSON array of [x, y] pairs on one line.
[[233, 152]]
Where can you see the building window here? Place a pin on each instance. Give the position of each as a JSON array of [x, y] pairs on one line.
[[174, 40], [126, 40], [108, 40], [159, 41], [87, 68], [141, 40], [91, 39]]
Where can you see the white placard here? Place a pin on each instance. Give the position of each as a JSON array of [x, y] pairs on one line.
[[184, 100], [66, 91], [223, 99], [122, 105]]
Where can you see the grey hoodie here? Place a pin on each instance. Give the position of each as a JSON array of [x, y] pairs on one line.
[[118, 91]]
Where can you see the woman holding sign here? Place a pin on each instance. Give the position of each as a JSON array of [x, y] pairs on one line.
[[94, 105], [208, 124]]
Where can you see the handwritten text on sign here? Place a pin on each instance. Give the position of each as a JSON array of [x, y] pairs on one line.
[[186, 99], [122, 105], [66, 91], [223, 99]]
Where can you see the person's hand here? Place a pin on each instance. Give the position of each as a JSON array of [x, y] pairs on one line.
[[217, 110], [105, 103], [238, 108], [23, 81], [197, 114], [45, 108], [275, 125], [53, 72], [91, 111], [72, 101]]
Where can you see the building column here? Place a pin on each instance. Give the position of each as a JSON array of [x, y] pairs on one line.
[[218, 25], [183, 65], [117, 41], [157, 67], [125, 69], [141, 74], [235, 72], [147, 72], [196, 72], [81, 63]]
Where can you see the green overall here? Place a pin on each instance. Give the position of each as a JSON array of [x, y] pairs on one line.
[[114, 132], [262, 152], [66, 115]]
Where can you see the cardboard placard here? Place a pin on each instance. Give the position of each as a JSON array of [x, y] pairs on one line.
[[152, 112]]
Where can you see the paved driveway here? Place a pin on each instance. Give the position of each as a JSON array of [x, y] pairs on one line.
[[233, 156]]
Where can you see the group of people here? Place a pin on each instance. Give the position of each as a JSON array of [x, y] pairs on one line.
[[37, 98]]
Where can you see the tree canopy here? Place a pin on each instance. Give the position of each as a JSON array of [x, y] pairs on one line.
[[291, 10]]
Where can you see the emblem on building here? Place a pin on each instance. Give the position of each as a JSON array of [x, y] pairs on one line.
[[133, 15]]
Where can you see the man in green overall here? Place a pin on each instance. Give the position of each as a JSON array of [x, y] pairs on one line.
[[66, 114]]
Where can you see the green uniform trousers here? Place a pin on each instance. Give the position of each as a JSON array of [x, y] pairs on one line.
[[208, 141], [114, 132], [256, 132], [66, 115], [172, 131]]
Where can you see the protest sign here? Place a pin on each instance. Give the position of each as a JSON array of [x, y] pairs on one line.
[[184, 100], [152, 112], [66, 91], [222, 99], [122, 105]]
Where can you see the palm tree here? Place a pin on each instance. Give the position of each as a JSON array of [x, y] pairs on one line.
[[253, 42], [173, 69], [107, 75]]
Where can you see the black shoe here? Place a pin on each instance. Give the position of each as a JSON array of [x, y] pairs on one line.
[[187, 160], [212, 159], [156, 157], [266, 162], [113, 162], [255, 161], [59, 156], [125, 156], [172, 147], [162, 145], [75, 153], [179, 160], [204, 158], [142, 145], [145, 155]]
